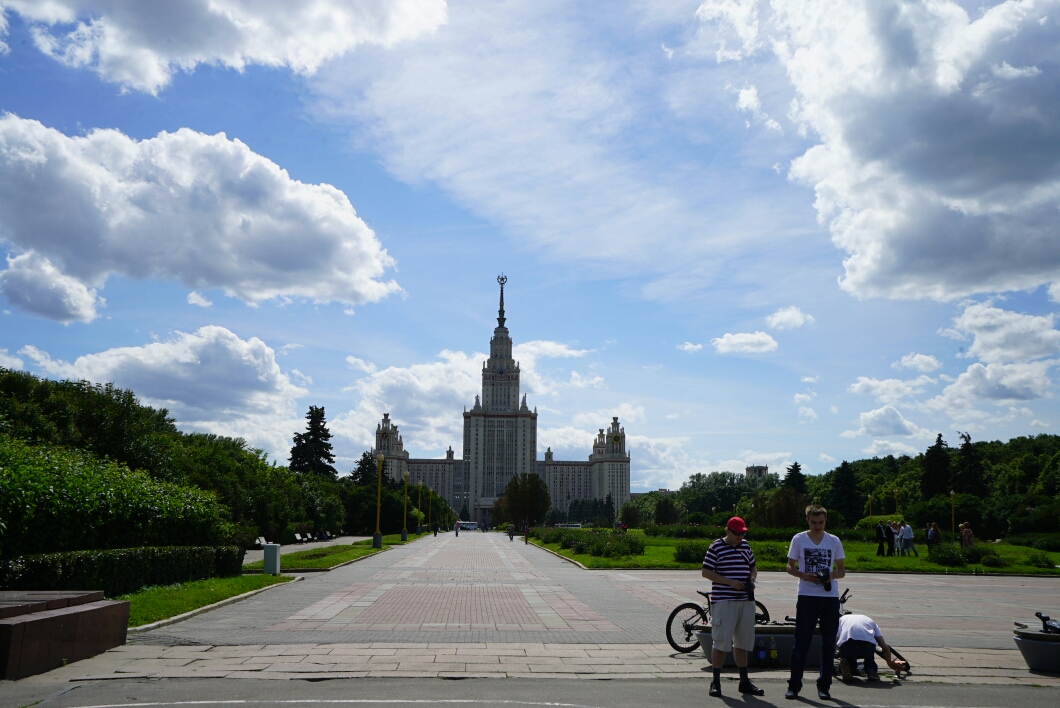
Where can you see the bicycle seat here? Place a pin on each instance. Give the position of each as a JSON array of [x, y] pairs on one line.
[[704, 594]]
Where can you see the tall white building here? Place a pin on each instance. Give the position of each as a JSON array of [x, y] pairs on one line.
[[500, 441]]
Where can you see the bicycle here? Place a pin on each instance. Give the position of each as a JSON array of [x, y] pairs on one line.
[[692, 617]]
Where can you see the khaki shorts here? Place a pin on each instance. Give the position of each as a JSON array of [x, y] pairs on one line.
[[732, 623]]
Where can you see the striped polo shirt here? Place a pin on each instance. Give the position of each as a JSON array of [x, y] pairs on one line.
[[729, 562]]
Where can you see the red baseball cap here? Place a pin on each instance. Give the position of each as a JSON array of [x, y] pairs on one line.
[[736, 524]]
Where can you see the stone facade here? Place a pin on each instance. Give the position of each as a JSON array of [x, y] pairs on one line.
[[500, 441]]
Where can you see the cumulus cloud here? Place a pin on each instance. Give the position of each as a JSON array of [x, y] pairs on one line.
[[33, 284], [886, 422], [810, 379], [140, 45], [825, 458], [361, 365], [998, 383], [601, 418], [747, 101], [689, 347], [890, 391], [744, 343], [195, 298], [210, 380], [882, 448], [936, 169], [9, 362], [924, 363], [201, 209], [807, 414], [789, 318], [587, 381], [1004, 336], [803, 398], [1054, 292]]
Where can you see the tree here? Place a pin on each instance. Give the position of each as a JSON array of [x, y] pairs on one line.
[[795, 478], [465, 514], [969, 475], [609, 509], [665, 511], [311, 453], [366, 471], [843, 496], [527, 499], [629, 515], [935, 478]]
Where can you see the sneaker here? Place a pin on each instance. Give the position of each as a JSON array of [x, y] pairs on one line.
[[715, 689], [844, 671], [791, 694], [824, 695], [873, 677], [750, 688]]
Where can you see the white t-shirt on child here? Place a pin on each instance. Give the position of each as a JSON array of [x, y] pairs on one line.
[[813, 557]]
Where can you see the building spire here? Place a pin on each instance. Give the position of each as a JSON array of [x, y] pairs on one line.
[[502, 279]]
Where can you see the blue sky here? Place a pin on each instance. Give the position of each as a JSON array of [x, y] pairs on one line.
[[756, 232]]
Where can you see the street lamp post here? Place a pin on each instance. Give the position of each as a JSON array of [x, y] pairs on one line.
[[419, 506], [430, 508], [896, 501], [377, 539], [953, 514], [405, 512]]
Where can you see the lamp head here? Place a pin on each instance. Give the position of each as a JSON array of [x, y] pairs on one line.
[[406, 475], [380, 458], [951, 493]]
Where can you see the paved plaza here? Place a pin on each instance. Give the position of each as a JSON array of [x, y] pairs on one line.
[[479, 605]]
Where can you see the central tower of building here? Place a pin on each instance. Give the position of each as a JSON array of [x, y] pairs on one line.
[[500, 432]]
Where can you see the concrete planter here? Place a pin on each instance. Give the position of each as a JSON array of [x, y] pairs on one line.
[[1041, 651], [784, 637]]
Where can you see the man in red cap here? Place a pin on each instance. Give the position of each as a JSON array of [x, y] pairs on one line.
[[730, 566]]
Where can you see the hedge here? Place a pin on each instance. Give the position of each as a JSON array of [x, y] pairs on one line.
[[120, 571], [54, 499], [604, 544], [755, 533]]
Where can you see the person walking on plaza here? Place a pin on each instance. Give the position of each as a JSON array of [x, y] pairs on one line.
[[888, 531], [511, 531], [856, 639], [907, 539], [967, 537], [815, 557], [729, 565], [880, 539]]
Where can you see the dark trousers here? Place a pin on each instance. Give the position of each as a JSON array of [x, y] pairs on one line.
[[856, 649], [890, 547], [809, 610], [879, 549]]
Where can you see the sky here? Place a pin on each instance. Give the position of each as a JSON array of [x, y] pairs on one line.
[[756, 232]]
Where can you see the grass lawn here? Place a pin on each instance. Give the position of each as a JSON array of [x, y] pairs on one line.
[[330, 556], [162, 601], [770, 555]]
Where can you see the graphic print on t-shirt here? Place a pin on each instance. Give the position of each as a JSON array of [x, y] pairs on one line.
[[816, 559]]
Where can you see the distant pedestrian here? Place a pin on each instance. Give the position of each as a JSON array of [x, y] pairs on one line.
[[888, 532], [935, 535], [907, 540], [511, 531], [967, 537], [458, 529], [880, 539]]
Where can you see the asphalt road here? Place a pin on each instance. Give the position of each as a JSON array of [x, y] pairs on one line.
[[514, 693]]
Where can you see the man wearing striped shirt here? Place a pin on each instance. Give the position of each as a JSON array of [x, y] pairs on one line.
[[730, 566]]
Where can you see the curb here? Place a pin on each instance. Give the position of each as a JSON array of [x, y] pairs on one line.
[[317, 570], [570, 560], [199, 610]]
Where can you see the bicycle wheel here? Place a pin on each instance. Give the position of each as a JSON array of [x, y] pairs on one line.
[[761, 613], [682, 625]]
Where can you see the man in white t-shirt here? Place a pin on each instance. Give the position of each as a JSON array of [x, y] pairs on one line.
[[816, 559], [857, 638]]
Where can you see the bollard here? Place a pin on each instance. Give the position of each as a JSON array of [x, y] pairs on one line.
[[272, 559]]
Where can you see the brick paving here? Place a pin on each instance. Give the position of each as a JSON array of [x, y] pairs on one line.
[[479, 605]]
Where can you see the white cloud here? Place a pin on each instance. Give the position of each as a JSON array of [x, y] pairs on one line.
[[923, 363], [33, 284], [9, 362], [527, 355], [999, 383], [936, 170], [1054, 292], [885, 422], [140, 45], [587, 381], [210, 380], [825, 458], [567, 437], [689, 347], [803, 398], [807, 414], [890, 391], [1002, 336], [361, 365], [747, 101], [833, 409], [882, 448], [810, 379], [288, 348], [195, 298], [1039, 424], [601, 418], [201, 209], [789, 318], [744, 343], [302, 379]]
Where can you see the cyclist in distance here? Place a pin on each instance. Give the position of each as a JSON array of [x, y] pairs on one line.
[[730, 567]]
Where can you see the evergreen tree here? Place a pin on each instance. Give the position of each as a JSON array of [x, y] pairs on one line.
[[609, 509], [527, 499], [366, 471], [311, 453], [843, 496], [969, 475], [795, 478], [935, 479], [666, 511], [465, 514]]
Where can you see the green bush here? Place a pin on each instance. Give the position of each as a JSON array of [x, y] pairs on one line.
[[603, 543], [54, 499], [1042, 541], [691, 551], [771, 552], [1040, 560], [947, 554], [869, 522], [755, 533], [119, 571], [977, 552], [993, 560]]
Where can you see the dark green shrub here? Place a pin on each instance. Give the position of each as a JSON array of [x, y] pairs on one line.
[[1042, 541], [55, 499], [947, 554], [1040, 560], [119, 571], [755, 533], [993, 560], [698, 518], [691, 551], [975, 553]]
